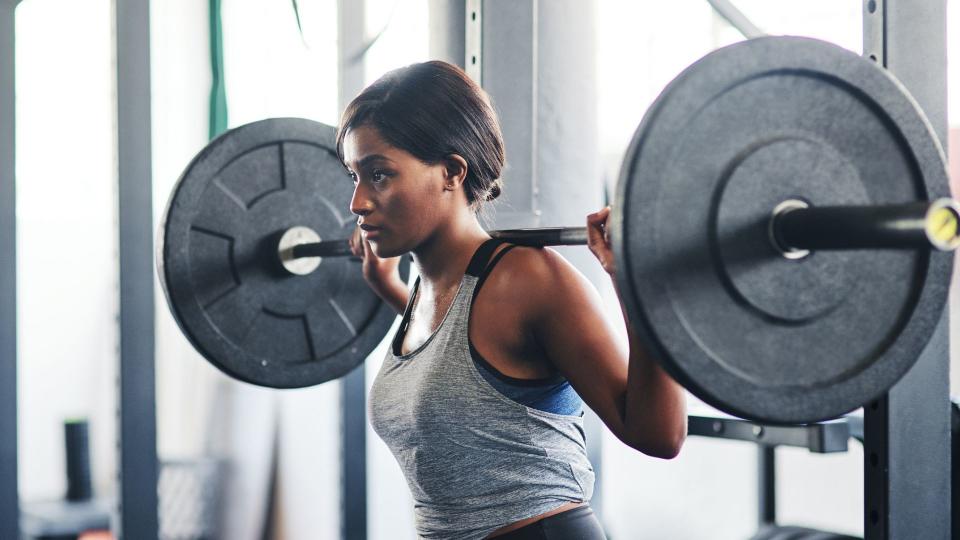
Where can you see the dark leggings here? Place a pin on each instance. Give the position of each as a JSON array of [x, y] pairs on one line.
[[575, 524]]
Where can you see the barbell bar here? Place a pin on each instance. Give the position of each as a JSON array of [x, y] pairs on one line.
[[796, 229]]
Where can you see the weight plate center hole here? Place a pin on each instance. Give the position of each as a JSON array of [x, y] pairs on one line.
[[295, 236], [775, 239]]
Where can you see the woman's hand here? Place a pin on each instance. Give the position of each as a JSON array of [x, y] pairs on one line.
[[382, 275], [598, 240], [376, 271]]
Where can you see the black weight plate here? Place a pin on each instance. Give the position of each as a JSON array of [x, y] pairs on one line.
[[217, 258], [742, 327]]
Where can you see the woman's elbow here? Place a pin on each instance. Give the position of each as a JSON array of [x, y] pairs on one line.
[[664, 446], [664, 449], [672, 450]]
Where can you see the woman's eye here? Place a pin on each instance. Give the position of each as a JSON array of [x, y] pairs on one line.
[[379, 176], [353, 177]]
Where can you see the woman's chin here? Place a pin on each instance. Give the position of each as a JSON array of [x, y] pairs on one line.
[[385, 251]]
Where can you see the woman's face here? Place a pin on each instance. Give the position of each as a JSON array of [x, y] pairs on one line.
[[398, 198]]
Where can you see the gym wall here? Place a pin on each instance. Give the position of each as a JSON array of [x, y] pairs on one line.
[[67, 296]]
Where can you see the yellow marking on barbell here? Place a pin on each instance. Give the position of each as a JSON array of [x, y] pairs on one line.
[[942, 225]]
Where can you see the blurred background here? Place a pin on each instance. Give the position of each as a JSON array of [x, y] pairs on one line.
[[276, 454]]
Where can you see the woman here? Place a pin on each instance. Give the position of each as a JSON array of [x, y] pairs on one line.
[[480, 396]]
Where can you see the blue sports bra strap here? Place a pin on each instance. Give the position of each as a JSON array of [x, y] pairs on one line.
[[481, 256]]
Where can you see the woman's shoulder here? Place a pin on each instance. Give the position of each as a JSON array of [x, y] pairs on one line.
[[541, 275], [535, 260]]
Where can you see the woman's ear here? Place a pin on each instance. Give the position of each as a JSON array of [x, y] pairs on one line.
[[454, 171]]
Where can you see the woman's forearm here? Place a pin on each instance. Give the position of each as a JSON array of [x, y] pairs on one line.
[[655, 409]]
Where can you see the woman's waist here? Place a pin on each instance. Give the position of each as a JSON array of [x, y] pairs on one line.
[[531, 520], [480, 519]]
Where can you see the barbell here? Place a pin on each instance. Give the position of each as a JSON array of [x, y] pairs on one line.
[[779, 227], [795, 229]]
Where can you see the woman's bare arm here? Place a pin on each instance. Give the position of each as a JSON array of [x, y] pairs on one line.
[[628, 389]]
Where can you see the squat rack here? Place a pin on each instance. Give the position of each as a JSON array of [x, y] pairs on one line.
[[907, 492], [9, 506]]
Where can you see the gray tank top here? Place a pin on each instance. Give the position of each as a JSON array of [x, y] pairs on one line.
[[474, 459]]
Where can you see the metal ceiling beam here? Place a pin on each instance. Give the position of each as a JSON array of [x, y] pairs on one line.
[[736, 18]]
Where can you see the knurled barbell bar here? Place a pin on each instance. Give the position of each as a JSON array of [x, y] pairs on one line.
[[772, 226]]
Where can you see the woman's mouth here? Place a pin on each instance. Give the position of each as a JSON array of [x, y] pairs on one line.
[[370, 231]]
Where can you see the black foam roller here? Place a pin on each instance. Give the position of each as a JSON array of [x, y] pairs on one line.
[[77, 439]]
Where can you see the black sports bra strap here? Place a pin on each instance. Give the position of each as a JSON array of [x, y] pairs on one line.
[[489, 268], [478, 268], [395, 345], [481, 256]]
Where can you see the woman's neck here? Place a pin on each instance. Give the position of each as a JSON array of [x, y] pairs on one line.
[[443, 258]]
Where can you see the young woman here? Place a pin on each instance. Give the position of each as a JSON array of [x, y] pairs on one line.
[[480, 396]]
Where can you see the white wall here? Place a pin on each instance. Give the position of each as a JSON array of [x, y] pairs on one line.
[[66, 213]]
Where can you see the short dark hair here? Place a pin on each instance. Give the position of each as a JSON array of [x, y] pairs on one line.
[[432, 110]]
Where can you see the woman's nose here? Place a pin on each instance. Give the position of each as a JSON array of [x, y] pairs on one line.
[[360, 204]]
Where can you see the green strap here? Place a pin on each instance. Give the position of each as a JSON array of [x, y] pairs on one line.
[[296, 13], [218, 91]]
